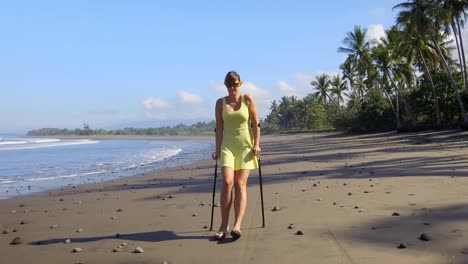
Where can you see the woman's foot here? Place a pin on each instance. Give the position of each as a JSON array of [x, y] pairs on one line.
[[220, 235], [236, 234]]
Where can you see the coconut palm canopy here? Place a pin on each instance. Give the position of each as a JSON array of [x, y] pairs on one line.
[[407, 80]]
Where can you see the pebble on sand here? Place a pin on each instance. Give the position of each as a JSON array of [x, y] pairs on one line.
[[24, 222], [425, 237], [16, 241], [117, 250], [79, 230], [76, 250], [396, 214], [138, 250], [291, 226], [6, 231], [67, 241], [194, 214], [299, 233], [275, 209], [54, 226], [402, 245]]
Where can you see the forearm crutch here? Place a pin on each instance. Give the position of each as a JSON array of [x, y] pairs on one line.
[[261, 191], [214, 191]]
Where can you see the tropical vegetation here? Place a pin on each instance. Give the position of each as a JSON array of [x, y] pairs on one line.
[[407, 80]]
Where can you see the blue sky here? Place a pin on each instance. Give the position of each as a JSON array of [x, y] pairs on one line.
[[113, 63]]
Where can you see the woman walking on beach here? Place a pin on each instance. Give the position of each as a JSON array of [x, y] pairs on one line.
[[237, 148]]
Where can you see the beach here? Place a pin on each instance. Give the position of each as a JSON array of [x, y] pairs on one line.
[[376, 198]]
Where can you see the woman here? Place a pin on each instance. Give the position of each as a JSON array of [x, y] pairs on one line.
[[237, 148]]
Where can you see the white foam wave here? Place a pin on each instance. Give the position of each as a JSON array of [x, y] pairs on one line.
[[158, 155], [7, 182], [52, 144], [13, 142], [45, 140], [94, 172], [52, 178]]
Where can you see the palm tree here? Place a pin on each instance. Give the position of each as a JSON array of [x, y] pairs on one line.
[[452, 14], [420, 15], [338, 87], [358, 47], [273, 117], [322, 85], [415, 47]]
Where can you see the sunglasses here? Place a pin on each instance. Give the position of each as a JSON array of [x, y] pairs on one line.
[[232, 84]]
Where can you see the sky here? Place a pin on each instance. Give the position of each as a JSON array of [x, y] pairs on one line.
[[112, 64]]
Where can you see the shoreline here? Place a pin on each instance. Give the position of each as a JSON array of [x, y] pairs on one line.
[[342, 191], [187, 156], [129, 137]]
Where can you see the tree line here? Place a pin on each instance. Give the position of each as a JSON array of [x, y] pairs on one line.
[[198, 129], [407, 80]]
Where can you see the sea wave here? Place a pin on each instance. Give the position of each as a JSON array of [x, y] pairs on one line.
[[13, 142], [52, 178], [48, 144]]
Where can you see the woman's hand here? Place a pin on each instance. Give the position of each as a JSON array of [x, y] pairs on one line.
[[214, 156], [256, 150]]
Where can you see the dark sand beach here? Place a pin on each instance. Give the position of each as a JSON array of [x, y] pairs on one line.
[[356, 199]]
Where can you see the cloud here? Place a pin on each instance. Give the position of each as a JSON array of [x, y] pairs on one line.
[[376, 31], [151, 103], [303, 82], [190, 98], [252, 89], [286, 88], [304, 79]]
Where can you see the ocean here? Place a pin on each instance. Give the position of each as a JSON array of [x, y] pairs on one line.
[[29, 165]]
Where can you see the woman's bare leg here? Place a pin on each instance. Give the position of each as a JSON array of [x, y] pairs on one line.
[[240, 202], [226, 196]]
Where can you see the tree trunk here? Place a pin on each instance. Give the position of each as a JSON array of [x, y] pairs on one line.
[[394, 109], [463, 55], [405, 103], [453, 84], [434, 92], [462, 66]]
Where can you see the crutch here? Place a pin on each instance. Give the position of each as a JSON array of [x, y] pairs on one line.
[[261, 190], [214, 191]]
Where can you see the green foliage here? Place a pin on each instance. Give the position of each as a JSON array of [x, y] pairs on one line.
[[198, 129], [292, 114], [422, 99], [375, 114]]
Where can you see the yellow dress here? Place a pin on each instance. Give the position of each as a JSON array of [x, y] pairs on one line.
[[237, 144]]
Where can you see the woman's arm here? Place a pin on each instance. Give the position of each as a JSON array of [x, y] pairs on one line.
[[255, 123], [219, 127]]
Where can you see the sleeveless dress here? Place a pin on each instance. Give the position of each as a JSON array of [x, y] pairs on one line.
[[237, 144]]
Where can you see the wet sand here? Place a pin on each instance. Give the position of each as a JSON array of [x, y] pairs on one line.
[[355, 198]]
